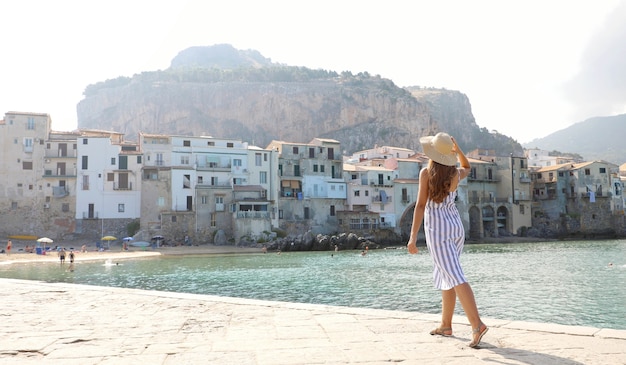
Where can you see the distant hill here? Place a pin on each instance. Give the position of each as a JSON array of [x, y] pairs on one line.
[[598, 138], [229, 93]]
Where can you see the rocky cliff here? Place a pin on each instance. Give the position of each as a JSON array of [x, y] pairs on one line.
[[257, 101]]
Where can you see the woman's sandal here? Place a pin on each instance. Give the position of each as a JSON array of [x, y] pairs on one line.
[[442, 331], [480, 331]]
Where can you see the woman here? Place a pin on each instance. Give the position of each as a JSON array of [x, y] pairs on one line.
[[444, 230]]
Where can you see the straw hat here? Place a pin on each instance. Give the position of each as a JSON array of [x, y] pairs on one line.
[[439, 148]]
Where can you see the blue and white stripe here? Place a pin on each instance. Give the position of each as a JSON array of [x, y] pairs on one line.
[[445, 237]]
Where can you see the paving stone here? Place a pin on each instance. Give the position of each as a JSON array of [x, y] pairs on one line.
[[60, 323]]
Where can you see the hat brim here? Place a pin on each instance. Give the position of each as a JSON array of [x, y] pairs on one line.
[[433, 154]]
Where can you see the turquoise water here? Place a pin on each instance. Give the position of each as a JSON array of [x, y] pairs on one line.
[[569, 283]]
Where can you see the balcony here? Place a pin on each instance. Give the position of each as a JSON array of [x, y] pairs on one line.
[[60, 191], [253, 215], [90, 215], [118, 186], [379, 199]]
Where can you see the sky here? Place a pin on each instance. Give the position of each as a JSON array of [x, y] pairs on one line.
[[529, 68]]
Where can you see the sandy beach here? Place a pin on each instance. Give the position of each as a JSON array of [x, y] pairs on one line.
[[18, 252]]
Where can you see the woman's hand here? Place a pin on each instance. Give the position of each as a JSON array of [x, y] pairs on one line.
[[455, 147], [412, 247]]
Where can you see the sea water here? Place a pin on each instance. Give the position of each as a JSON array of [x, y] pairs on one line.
[[580, 283]]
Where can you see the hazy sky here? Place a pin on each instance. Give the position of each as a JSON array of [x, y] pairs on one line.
[[529, 68]]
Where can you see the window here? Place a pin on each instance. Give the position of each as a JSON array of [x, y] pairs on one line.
[[186, 181], [210, 143], [184, 159], [307, 213], [587, 171], [123, 163], [187, 143], [85, 182], [295, 150], [159, 159], [85, 140], [602, 170], [257, 159], [265, 157], [113, 161], [204, 199], [219, 204], [237, 162], [30, 123], [367, 193], [357, 193], [311, 152], [139, 159], [213, 180], [28, 144], [173, 219], [161, 201], [263, 177], [213, 220], [85, 162], [321, 168], [27, 165], [200, 179], [332, 210], [314, 168], [230, 145], [120, 208]]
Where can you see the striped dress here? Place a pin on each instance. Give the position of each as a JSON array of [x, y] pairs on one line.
[[445, 237]]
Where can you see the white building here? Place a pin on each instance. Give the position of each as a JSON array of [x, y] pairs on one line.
[[108, 182]]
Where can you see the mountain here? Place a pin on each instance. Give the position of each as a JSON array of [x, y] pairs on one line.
[[598, 138], [229, 93]]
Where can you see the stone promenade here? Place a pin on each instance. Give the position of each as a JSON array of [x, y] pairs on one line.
[[75, 324]]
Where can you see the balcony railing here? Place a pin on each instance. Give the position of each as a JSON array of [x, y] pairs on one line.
[[118, 186], [253, 215], [59, 191], [90, 215], [379, 199]]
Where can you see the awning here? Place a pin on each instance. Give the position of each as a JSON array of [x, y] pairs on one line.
[[213, 159], [295, 184], [285, 183]]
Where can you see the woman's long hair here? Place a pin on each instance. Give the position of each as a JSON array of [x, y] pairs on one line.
[[439, 181]]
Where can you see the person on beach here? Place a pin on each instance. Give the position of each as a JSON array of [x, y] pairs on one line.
[[9, 246], [71, 256], [62, 255], [444, 230]]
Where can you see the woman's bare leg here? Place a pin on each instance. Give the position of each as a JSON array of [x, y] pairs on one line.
[[468, 302], [448, 301]]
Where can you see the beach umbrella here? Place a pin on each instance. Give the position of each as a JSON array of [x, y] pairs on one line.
[[126, 239], [158, 238], [108, 239], [41, 248]]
